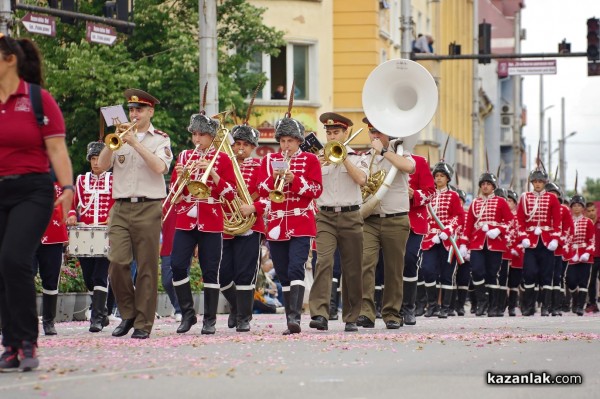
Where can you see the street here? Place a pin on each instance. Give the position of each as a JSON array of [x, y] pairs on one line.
[[435, 358]]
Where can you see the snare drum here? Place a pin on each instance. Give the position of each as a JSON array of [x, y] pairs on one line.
[[88, 241]]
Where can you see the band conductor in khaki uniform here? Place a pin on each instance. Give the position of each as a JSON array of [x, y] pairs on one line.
[[339, 225], [139, 162]]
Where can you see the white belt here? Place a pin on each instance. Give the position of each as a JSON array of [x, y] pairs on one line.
[[543, 228]]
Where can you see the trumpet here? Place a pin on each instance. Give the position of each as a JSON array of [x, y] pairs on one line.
[[114, 141], [335, 152], [277, 195], [182, 181]]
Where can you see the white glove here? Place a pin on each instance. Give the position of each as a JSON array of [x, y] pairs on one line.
[[485, 227], [585, 257], [468, 257], [463, 250], [443, 236], [526, 243], [553, 245], [436, 239], [514, 252], [575, 258], [537, 231], [493, 233]]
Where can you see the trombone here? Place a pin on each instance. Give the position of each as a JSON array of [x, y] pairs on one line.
[[277, 195], [114, 141], [335, 152], [200, 188], [182, 181]]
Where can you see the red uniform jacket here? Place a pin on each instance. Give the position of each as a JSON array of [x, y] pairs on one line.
[[494, 212], [205, 214], [56, 232], [539, 211], [93, 197], [294, 217], [168, 232], [584, 240], [423, 185], [250, 169], [566, 235], [446, 204]]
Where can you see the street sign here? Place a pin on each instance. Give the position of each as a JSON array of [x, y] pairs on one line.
[[102, 34], [41, 24], [533, 67]]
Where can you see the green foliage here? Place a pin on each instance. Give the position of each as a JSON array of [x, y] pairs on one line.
[[591, 191], [161, 56], [71, 277]]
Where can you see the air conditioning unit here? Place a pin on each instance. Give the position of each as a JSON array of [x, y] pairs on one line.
[[506, 109], [506, 120]]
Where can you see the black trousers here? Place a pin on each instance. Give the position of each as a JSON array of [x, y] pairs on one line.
[[48, 260], [538, 266], [95, 272], [593, 287], [436, 268], [210, 246], [485, 266], [515, 276], [289, 258], [240, 260], [380, 271], [412, 256], [25, 208], [463, 276], [578, 276]]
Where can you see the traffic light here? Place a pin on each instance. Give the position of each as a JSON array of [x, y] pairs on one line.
[[454, 49], [123, 14], [67, 5], [485, 41], [564, 47], [593, 39]]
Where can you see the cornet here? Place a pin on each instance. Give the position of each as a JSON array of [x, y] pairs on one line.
[[277, 195], [335, 152], [182, 181], [114, 141]]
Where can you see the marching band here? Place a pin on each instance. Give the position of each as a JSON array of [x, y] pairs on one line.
[[226, 204]]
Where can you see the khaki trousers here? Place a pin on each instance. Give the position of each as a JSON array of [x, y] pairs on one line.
[[134, 233], [389, 234], [341, 230]]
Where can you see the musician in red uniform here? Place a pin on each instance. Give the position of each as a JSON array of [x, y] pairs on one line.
[[516, 252], [48, 260], [539, 231], [93, 200], [581, 257], [561, 253], [420, 190], [241, 253], [463, 274], [200, 222], [436, 243], [291, 220], [487, 220]]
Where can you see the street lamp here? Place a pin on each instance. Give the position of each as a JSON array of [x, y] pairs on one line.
[[562, 161], [542, 139]]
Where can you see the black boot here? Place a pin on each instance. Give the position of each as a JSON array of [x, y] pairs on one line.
[[557, 300], [512, 302], [528, 302], [378, 302], [186, 303], [99, 318], [574, 300], [452, 310], [446, 302], [49, 313], [333, 301], [492, 302], [295, 312], [432, 301], [581, 298], [472, 301], [566, 304], [231, 296], [482, 299], [286, 306], [408, 302], [501, 302], [211, 302], [546, 301], [421, 300], [461, 298], [245, 301]]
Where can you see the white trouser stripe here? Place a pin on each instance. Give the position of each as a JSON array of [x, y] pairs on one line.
[[478, 282], [212, 285], [228, 286], [244, 287], [50, 292], [526, 286], [285, 288], [297, 282], [411, 279], [100, 288], [430, 284], [181, 282], [447, 287], [463, 287], [335, 280]]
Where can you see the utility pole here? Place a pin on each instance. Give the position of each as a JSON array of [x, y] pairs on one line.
[[561, 148], [516, 167], [550, 147], [208, 58], [405, 28], [476, 132], [5, 16]]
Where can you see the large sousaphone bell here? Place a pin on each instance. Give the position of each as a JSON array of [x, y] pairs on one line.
[[399, 98]]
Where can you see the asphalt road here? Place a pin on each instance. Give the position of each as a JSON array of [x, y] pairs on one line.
[[434, 359]]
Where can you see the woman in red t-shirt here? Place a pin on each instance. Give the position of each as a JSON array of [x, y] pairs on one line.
[[26, 194]]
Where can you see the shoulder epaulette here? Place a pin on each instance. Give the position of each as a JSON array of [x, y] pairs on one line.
[[161, 133]]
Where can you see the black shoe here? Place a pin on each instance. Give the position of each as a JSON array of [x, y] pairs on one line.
[[9, 361], [443, 313], [334, 316], [28, 356], [49, 328], [140, 334], [123, 328], [410, 319], [392, 325], [364, 321], [187, 321], [351, 327], [319, 322]]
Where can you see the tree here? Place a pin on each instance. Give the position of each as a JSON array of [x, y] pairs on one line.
[[591, 191], [161, 56]]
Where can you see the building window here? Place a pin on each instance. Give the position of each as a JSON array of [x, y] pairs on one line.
[[296, 62]]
